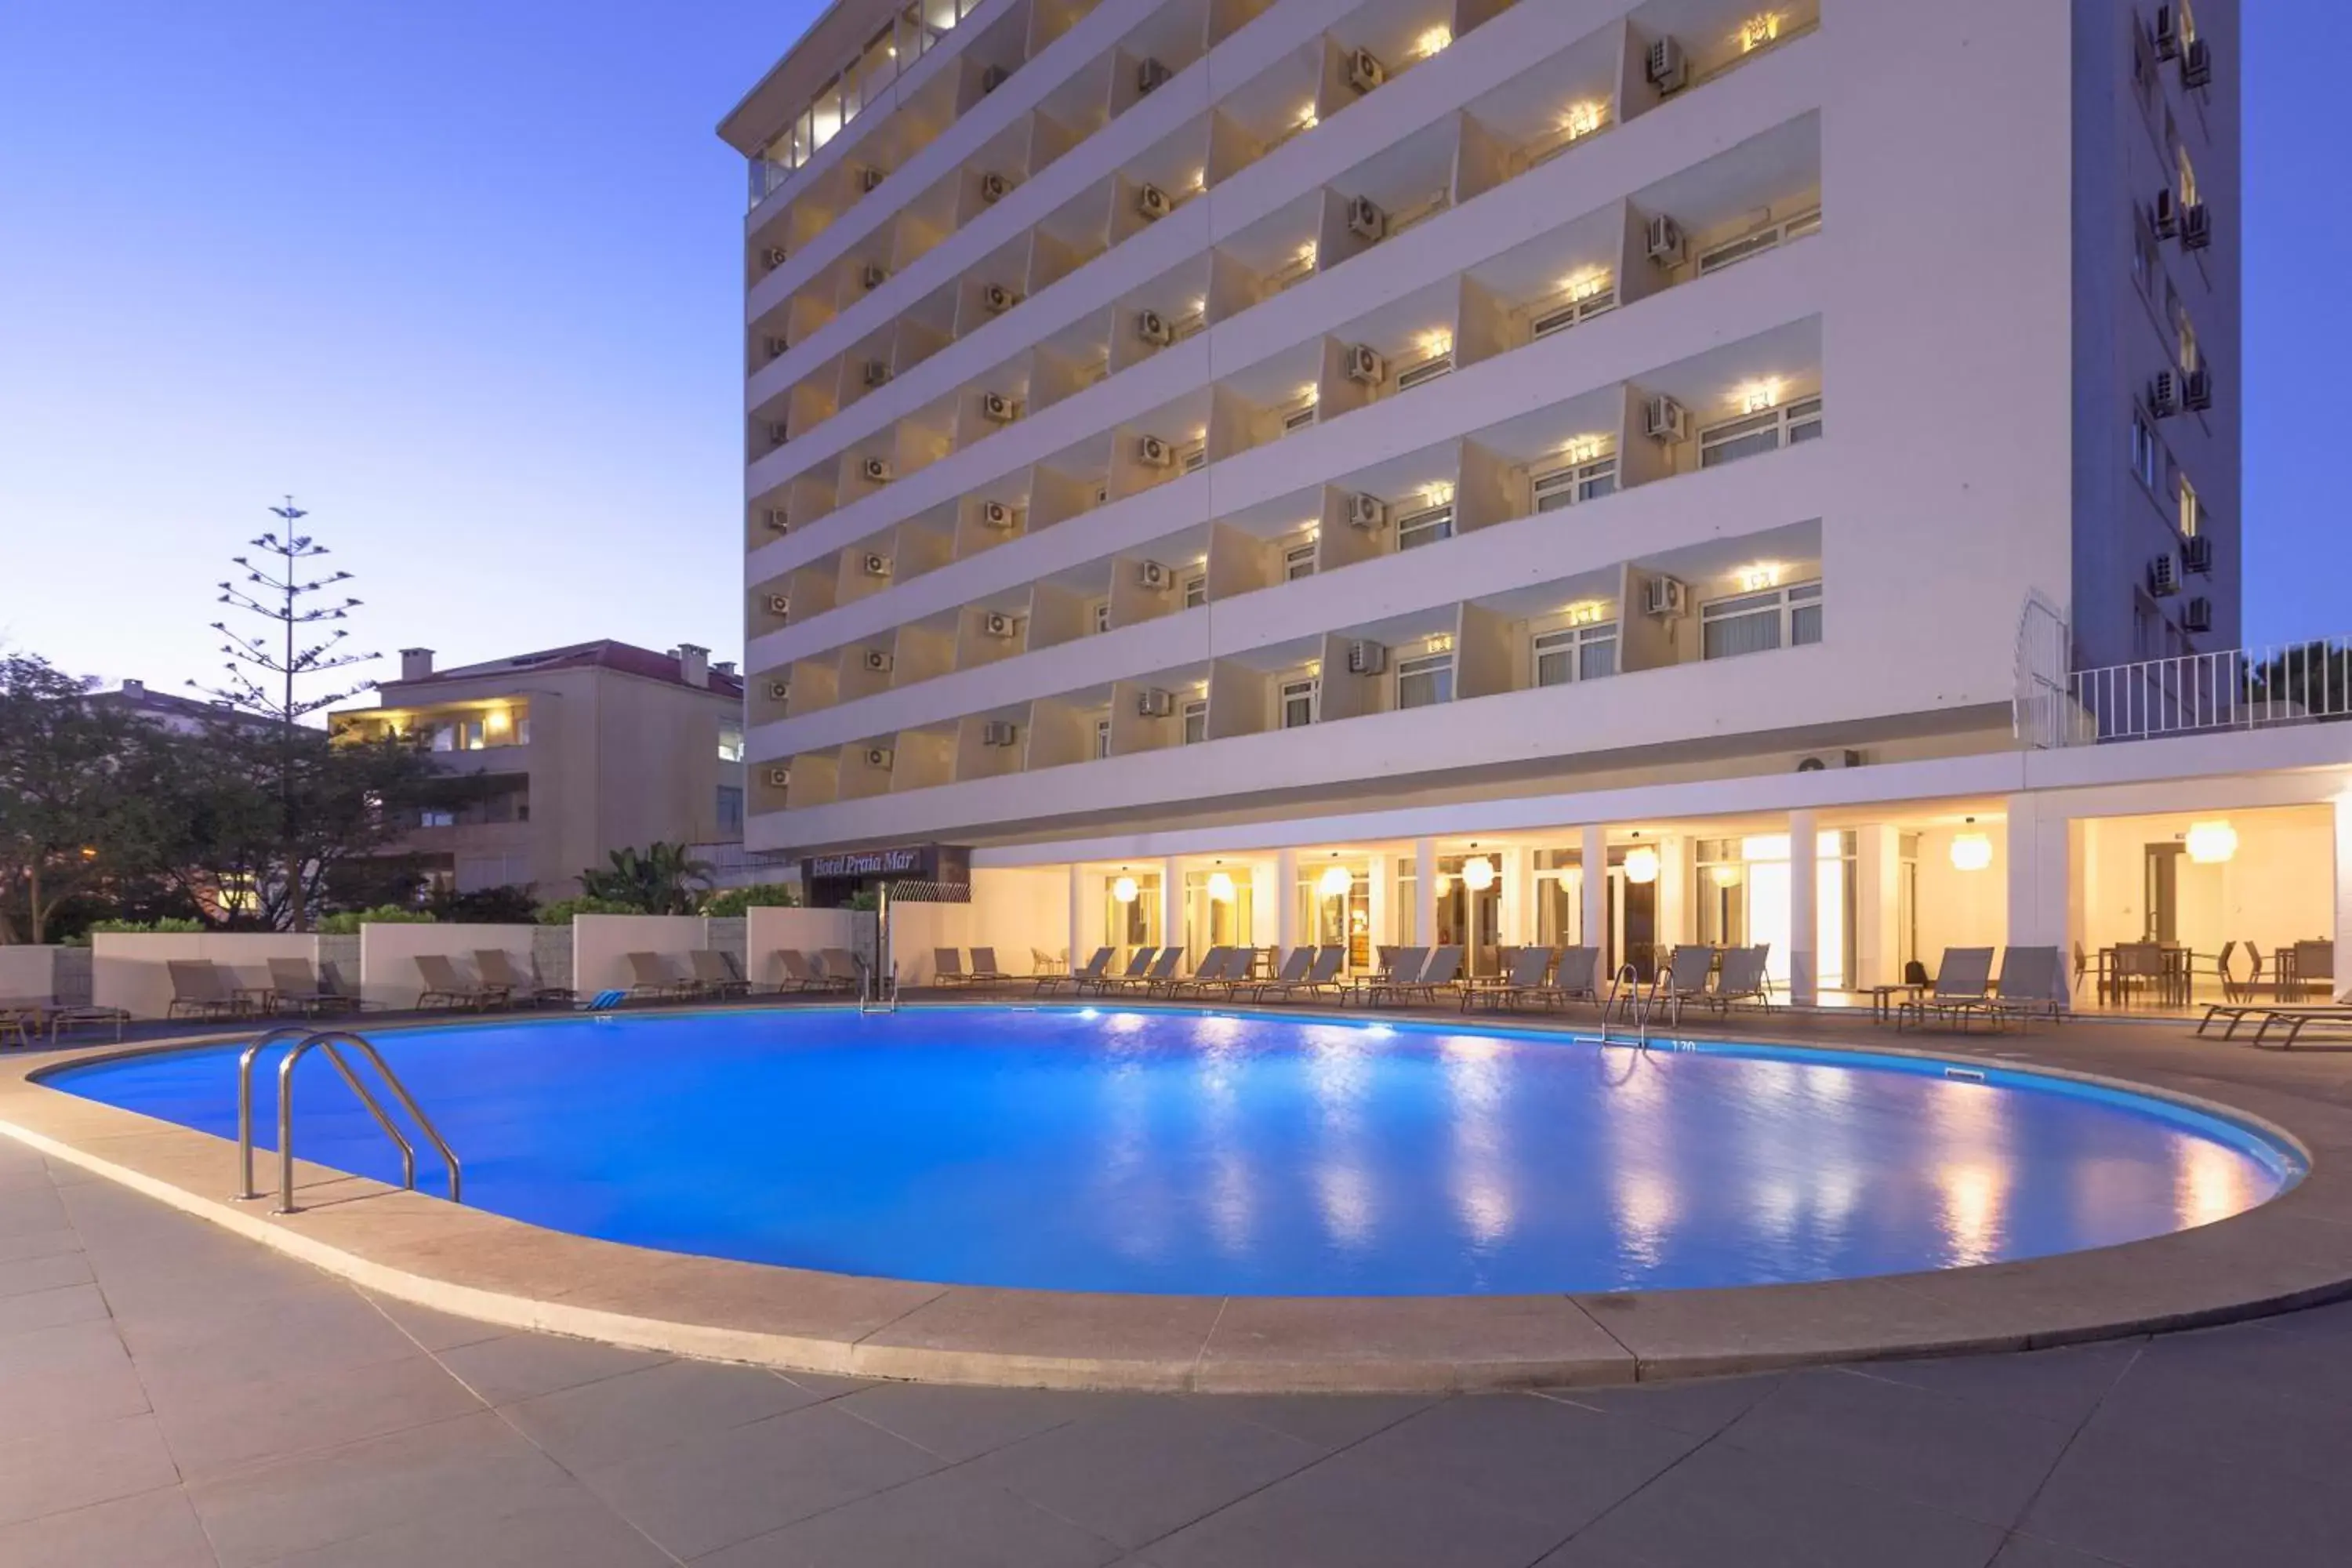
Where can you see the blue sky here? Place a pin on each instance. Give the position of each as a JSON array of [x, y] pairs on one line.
[[464, 277]]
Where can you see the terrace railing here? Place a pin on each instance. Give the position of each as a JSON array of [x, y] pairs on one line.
[[2189, 694]]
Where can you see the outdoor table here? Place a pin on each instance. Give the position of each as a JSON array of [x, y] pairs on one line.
[[1882, 999]]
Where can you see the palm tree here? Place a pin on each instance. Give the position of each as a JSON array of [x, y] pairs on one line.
[[665, 880]]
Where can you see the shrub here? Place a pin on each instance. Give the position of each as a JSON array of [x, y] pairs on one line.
[[166, 925], [562, 912], [347, 922], [730, 903]]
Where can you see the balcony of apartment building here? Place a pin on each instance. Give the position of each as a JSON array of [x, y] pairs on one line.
[[487, 736]]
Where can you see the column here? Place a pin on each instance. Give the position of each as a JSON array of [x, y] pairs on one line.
[[1171, 910], [2035, 839], [1381, 870], [1595, 860], [1081, 946], [2343, 894], [1676, 854], [1804, 910], [1286, 899], [1878, 905], [1424, 891], [1518, 923]]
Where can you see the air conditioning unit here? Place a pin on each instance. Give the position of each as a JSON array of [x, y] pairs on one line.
[[2196, 555], [1152, 703], [1365, 72], [2164, 215], [1665, 241], [780, 603], [777, 522], [2164, 394], [1152, 202], [1153, 328], [2197, 390], [779, 778], [869, 180], [779, 690], [2196, 227], [1365, 219], [1367, 658], [995, 514], [873, 275], [1149, 74], [1365, 364], [1367, 511], [876, 565], [995, 187], [772, 257], [877, 661], [1152, 576], [1153, 452], [2164, 32], [1666, 68], [2197, 64], [992, 79], [880, 757], [1000, 625], [1665, 420], [1823, 762], [876, 470], [995, 407], [996, 298], [875, 373], [1666, 596], [2197, 615], [2163, 576], [776, 347], [997, 732]]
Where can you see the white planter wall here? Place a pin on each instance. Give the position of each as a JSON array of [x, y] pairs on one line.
[[601, 945], [388, 976]]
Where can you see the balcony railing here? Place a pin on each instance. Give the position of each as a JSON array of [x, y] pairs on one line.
[[2192, 694]]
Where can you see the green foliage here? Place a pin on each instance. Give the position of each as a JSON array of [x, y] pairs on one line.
[[662, 880], [866, 900], [348, 922], [67, 825], [562, 911], [167, 925], [730, 903], [485, 906]]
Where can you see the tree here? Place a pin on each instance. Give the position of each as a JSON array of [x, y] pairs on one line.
[[665, 879], [65, 821], [284, 662]]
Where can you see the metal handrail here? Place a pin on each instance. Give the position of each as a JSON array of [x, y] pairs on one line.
[[328, 1041]]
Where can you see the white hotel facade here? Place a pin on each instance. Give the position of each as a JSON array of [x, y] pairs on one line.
[[1462, 470]]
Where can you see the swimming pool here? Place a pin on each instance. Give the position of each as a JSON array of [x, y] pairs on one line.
[[1179, 1151]]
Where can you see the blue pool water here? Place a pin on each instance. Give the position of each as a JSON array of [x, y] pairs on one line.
[[1176, 1152]]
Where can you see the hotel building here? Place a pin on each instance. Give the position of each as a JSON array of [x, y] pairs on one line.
[[1461, 470]]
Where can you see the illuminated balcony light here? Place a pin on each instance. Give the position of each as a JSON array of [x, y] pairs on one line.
[[1593, 612], [1583, 119], [1758, 30], [1584, 449], [1758, 397], [1433, 40], [1587, 285], [1756, 578]]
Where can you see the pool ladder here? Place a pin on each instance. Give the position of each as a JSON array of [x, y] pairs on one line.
[[1625, 989], [330, 1042]]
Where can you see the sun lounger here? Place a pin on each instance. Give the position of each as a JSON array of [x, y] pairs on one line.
[[1162, 973], [946, 967], [202, 989], [1400, 964], [794, 974], [1742, 978], [1293, 971], [985, 970], [295, 986], [651, 976], [445, 987], [1963, 991], [1444, 967], [497, 967], [1138, 972], [1078, 979], [1577, 976], [2030, 982], [1523, 977], [842, 969], [1223, 976], [715, 973]]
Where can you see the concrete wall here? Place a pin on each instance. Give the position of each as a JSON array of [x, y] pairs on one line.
[[767, 929], [387, 969], [28, 973], [601, 945], [128, 968]]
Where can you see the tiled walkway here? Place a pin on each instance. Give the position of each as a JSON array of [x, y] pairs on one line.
[[170, 1395]]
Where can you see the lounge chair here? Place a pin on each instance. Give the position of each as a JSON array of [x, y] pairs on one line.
[[1210, 968], [2029, 984], [1743, 978], [445, 987], [842, 969], [1687, 976], [946, 967], [1078, 979], [497, 967], [715, 973], [2267, 1015], [1138, 970], [1963, 991], [1522, 977], [794, 974], [1162, 971], [202, 989], [1293, 971], [295, 986], [985, 970], [651, 976], [1397, 963], [1225, 971], [1576, 977], [1445, 967], [1321, 979]]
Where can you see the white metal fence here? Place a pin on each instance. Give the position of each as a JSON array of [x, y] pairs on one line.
[[2238, 688]]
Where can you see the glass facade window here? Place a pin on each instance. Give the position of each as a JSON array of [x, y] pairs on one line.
[[730, 743], [1574, 484], [1753, 622], [1196, 722], [1427, 526], [1297, 561], [1754, 434], [1299, 700], [1426, 682], [730, 810], [1576, 653], [1743, 892]]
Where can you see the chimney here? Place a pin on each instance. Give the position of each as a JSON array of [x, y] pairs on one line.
[[135, 690], [725, 666], [415, 663], [693, 665]]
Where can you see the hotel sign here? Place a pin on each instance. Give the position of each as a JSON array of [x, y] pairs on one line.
[[918, 861]]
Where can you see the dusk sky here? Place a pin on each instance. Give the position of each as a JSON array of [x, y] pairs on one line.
[[464, 278]]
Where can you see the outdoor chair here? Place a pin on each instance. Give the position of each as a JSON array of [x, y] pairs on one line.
[[1744, 977], [2029, 984], [1443, 968], [1963, 991], [651, 976], [842, 969], [1139, 969], [1523, 976], [202, 989], [1322, 974], [1291, 971], [296, 987], [946, 967], [795, 974], [1043, 963], [1685, 979], [1162, 971], [1078, 979], [1225, 970], [985, 970], [1396, 964], [1577, 976], [497, 967], [715, 973], [445, 987], [2291, 1020], [1210, 970]]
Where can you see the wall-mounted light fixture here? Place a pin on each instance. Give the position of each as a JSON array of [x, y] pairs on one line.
[[1971, 850]]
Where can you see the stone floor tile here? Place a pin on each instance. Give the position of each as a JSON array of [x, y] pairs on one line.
[[147, 1530], [24, 1276], [959, 1424], [2152, 1505], [1701, 1406], [50, 1309], [696, 1497], [524, 1365], [2025, 1551], [565, 1531], [2062, 1386], [2226, 1419], [70, 1468], [329, 1329], [1725, 1506], [24, 1211], [941, 1521], [637, 1413], [434, 1330], [1981, 1460], [219, 1427], [1549, 1461], [39, 1243], [2306, 1366], [1329, 1421]]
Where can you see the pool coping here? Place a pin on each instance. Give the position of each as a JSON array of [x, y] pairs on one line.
[[2294, 1250]]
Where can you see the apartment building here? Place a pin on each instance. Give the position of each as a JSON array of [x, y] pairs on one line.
[[582, 751], [1192, 440]]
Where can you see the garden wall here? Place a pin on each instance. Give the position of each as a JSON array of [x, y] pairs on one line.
[[388, 952]]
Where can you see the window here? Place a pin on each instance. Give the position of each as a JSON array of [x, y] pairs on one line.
[[1757, 241], [1426, 371], [1300, 699], [1099, 616], [1576, 653], [444, 736], [1426, 526], [1752, 623], [2191, 512], [1426, 682], [1559, 318], [1196, 589], [1196, 722], [1102, 739], [1191, 460], [1298, 417], [1573, 484], [2185, 339], [2146, 460], [731, 742], [434, 816], [730, 809], [2187, 175], [1297, 561], [2147, 266], [1754, 434]]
